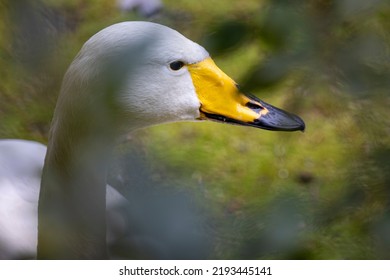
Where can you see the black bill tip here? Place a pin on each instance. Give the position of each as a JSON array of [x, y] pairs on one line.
[[278, 120], [270, 117]]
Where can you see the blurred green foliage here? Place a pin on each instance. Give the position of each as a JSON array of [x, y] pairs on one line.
[[323, 194]]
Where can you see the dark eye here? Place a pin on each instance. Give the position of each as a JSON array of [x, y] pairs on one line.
[[176, 65]]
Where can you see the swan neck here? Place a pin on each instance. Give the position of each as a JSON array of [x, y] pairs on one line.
[[73, 189]]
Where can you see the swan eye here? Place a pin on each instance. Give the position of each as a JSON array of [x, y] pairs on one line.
[[176, 65]]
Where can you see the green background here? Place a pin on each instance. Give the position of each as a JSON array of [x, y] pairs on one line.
[[321, 194]]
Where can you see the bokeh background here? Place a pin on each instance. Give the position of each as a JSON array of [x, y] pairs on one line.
[[211, 191]]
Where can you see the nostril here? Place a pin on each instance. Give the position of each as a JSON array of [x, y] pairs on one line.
[[254, 106]]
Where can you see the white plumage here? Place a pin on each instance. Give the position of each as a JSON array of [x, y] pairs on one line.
[[21, 164]]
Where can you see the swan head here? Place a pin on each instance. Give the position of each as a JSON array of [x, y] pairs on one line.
[[153, 74]]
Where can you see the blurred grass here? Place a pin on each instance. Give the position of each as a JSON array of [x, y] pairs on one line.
[[322, 194]]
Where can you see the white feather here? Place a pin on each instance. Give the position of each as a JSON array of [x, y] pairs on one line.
[[139, 53]]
